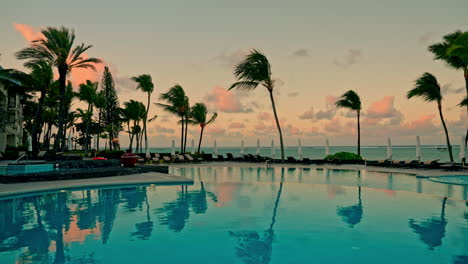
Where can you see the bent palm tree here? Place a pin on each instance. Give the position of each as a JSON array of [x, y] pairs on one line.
[[198, 116], [133, 111], [145, 84], [57, 49], [428, 89], [255, 70], [454, 51], [351, 100], [177, 104]]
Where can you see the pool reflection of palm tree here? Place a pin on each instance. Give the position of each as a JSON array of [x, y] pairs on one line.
[[432, 230], [352, 214], [254, 248], [144, 229]]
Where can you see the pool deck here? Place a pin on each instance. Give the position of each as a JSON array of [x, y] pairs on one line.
[[135, 179]]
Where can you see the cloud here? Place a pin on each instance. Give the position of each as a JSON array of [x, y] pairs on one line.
[[230, 59], [352, 57], [448, 89], [383, 108], [236, 125], [425, 38], [300, 53], [220, 99], [78, 75], [308, 115], [293, 94], [215, 130]]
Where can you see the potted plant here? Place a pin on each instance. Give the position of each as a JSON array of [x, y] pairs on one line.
[[128, 159]]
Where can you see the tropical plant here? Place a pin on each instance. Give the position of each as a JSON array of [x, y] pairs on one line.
[[145, 84], [344, 156], [177, 104], [351, 100], [198, 116], [88, 93], [111, 109], [253, 71], [57, 48], [100, 104], [454, 51], [428, 88]]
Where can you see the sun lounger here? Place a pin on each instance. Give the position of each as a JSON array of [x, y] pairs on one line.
[[155, 157], [167, 159], [260, 158], [220, 158], [430, 164], [451, 166], [290, 159], [41, 154]]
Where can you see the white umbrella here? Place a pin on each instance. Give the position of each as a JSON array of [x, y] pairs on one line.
[[327, 147], [215, 147], [273, 152], [258, 147], [29, 143], [389, 149], [462, 149], [173, 148], [70, 143], [418, 148], [242, 148], [193, 147], [147, 150], [299, 148], [95, 142]]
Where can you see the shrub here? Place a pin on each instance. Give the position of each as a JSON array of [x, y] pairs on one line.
[[344, 156], [111, 154]]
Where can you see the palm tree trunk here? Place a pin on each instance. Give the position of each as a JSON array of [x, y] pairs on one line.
[[277, 124], [37, 123], [466, 86], [59, 139], [87, 139], [358, 133], [199, 141], [146, 120], [185, 136], [439, 106], [182, 137]]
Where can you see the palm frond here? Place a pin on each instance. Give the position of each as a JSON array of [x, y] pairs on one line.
[[427, 88], [350, 100]]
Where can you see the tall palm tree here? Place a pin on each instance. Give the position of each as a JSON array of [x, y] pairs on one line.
[[56, 47], [88, 93], [134, 111], [145, 84], [255, 70], [198, 116], [428, 89], [453, 50], [177, 104], [351, 100]]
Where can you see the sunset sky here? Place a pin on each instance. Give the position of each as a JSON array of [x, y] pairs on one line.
[[318, 50]]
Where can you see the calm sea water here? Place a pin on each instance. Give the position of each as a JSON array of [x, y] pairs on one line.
[[244, 215], [377, 152]]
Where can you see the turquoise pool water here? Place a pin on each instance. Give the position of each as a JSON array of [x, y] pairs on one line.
[[244, 215]]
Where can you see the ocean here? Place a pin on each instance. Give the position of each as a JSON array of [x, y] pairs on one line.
[[429, 152]]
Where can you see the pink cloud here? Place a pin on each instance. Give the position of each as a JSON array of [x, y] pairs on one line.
[[420, 124], [309, 114], [215, 130], [78, 75], [236, 125], [383, 108], [220, 99]]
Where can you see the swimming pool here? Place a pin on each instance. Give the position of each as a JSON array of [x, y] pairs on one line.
[[244, 215]]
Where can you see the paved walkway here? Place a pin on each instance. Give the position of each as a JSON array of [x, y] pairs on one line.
[[135, 179]]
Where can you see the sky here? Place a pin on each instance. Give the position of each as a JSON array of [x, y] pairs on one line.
[[318, 50]]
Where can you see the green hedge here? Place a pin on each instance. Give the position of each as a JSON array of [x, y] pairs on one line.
[[111, 154], [344, 156]]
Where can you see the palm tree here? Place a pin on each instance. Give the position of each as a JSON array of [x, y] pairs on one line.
[[255, 70], [100, 104], [428, 89], [351, 100], [145, 84], [88, 93], [453, 50], [177, 104], [464, 102], [57, 49], [198, 116], [134, 111]]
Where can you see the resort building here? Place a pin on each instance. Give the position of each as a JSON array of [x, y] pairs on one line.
[[11, 116]]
